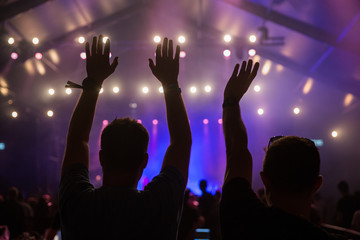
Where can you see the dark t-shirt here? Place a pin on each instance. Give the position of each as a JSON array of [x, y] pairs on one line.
[[244, 216], [117, 212]]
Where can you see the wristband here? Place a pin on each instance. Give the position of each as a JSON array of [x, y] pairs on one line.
[[172, 88], [87, 84], [230, 102]]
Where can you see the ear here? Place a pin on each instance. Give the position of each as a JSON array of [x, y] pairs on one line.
[[145, 161], [318, 184], [101, 158]]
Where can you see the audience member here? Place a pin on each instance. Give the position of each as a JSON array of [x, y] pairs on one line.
[[346, 206], [117, 210], [290, 175]]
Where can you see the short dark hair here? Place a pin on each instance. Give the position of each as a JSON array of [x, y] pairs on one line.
[[124, 143], [292, 164]]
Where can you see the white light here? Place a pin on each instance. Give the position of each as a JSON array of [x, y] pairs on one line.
[[116, 89], [11, 40], [348, 99], [257, 88], [266, 68], [161, 89], [334, 134], [207, 88], [145, 90], [252, 38], [133, 105], [50, 113], [181, 39], [110, 55], [260, 111], [252, 52], [193, 89], [101, 90], [296, 110], [83, 55], [227, 38], [308, 85], [182, 54], [14, 114], [68, 91], [157, 39], [51, 91], [14, 55], [105, 39], [38, 56], [35, 41], [227, 53], [81, 39]]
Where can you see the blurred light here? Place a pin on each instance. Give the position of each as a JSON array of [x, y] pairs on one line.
[[266, 68], [54, 56], [14, 55], [98, 178], [110, 55], [296, 110], [193, 89], [51, 91], [182, 54], [227, 38], [157, 39], [161, 89], [14, 114], [2, 146], [29, 67], [318, 142], [68, 91], [83, 55], [105, 122], [116, 89], [105, 39], [279, 67], [257, 88], [252, 52], [40, 67], [220, 121], [252, 38], [10, 102], [38, 56], [181, 39], [207, 88], [139, 121], [308, 85], [145, 90], [35, 41], [227, 53], [133, 105], [81, 39], [334, 134], [50, 113], [4, 91], [256, 58], [101, 90], [155, 122], [205, 121], [260, 111], [11, 40], [348, 99]]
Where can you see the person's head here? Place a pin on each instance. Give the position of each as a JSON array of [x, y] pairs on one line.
[[124, 144], [343, 187], [203, 185], [13, 193], [291, 167]]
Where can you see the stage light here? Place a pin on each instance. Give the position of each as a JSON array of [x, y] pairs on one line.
[[145, 90], [11, 40], [296, 110], [308, 85], [105, 39], [50, 113], [116, 89], [157, 39], [83, 55], [207, 88], [348, 99], [133, 105], [252, 38], [279, 67], [257, 88], [51, 91], [252, 52], [161, 89], [105, 122], [193, 89], [14, 114], [181, 39], [139, 121], [260, 111], [81, 39], [98, 178], [266, 68], [220, 121], [14, 55], [334, 134], [2, 146], [40, 67], [182, 54], [227, 38], [110, 55], [68, 91], [227, 53], [54, 56], [38, 56], [101, 90], [155, 122], [206, 121], [35, 41]]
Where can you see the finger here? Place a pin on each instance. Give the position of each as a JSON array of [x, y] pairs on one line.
[[114, 65], [236, 70], [107, 48], [254, 71], [93, 47], [87, 49], [171, 50], [151, 65], [165, 47], [177, 53], [158, 52], [249, 66], [100, 45], [243, 66]]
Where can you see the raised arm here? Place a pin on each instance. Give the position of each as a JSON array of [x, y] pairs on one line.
[[238, 157], [98, 69], [166, 71]]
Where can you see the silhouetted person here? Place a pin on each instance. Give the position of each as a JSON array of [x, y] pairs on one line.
[[290, 175], [117, 210], [206, 201], [346, 206]]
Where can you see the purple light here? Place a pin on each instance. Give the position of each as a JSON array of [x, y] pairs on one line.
[[38, 56], [105, 122], [155, 122], [205, 121], [220, 121], [14, 55]]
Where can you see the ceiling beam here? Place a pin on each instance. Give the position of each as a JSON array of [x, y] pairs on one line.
[[18, 7]]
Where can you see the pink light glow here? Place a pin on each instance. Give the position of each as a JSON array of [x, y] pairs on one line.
[[155, 121], [220, 121], [182, 54], [139, 121], [105, 122], [205, 121], [98, 178], [14, 55], [38, 56]]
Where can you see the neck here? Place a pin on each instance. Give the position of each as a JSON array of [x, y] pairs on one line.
[[116, 179], [295, 204]]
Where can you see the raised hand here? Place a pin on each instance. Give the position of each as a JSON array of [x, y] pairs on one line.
[[166, 69], [240, 82], [98, 66]]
